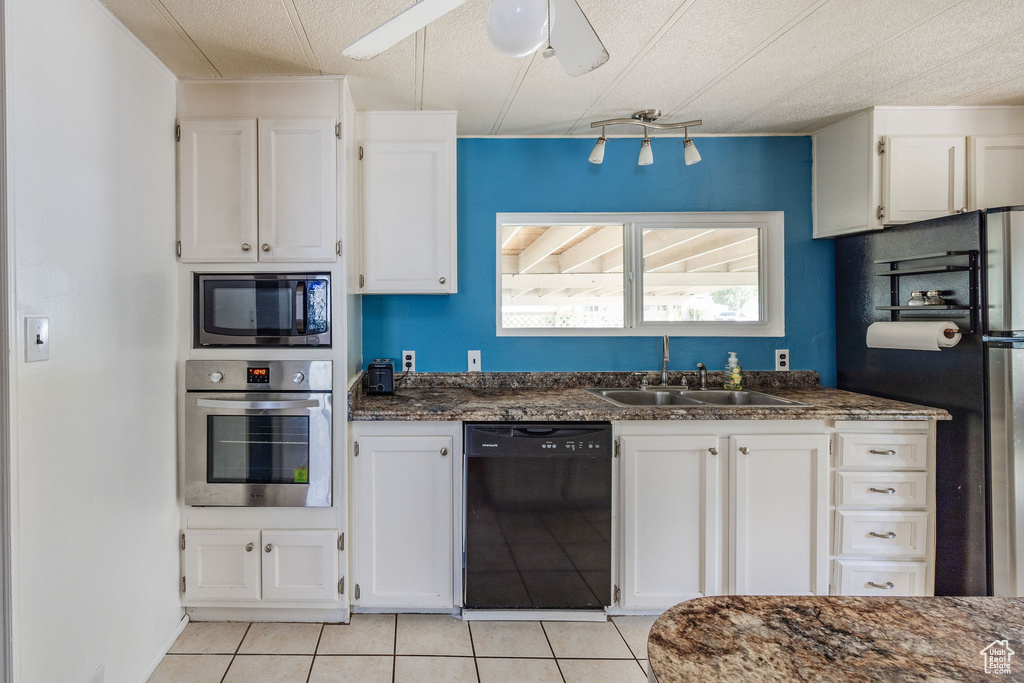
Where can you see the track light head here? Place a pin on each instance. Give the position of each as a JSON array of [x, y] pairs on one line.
[[646, 154], [597, 156], [690, 153]]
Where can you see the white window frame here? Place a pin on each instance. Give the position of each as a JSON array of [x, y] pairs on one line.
[[771, 272]]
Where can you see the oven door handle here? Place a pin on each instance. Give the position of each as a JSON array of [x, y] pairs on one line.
[[255, 405]]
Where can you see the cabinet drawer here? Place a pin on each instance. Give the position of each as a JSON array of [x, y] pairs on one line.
[[881, 533], [882, 489], [884, 451], [880, 578]]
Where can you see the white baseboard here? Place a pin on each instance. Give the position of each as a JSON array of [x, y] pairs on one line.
[[532, 615], [297, 615], [174, 636]]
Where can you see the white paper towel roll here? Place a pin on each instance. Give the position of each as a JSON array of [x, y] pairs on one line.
[[916, 336]]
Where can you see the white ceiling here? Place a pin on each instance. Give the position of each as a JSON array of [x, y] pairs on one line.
[[743, 66]]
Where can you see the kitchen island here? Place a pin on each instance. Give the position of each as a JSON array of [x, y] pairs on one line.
[[761, 638]]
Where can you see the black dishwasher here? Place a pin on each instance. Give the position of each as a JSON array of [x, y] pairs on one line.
[[538, 515]]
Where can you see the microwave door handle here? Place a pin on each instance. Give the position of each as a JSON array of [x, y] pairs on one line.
[[254, 405], [300, 307]]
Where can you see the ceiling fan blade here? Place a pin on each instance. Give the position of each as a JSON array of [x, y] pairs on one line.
[[399, 27], [576, 44]]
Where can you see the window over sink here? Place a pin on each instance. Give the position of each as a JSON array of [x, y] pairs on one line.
[[682, 274]]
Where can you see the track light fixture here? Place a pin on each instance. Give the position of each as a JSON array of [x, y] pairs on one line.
[[597, 156], [647, 118]]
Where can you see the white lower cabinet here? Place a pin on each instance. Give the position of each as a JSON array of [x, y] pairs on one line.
[[779, 501], [670, 519], [403, 539], [883, 517], [250, 565]]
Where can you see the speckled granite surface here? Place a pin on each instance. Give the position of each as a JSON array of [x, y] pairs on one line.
[[752, 638], [558, 396]]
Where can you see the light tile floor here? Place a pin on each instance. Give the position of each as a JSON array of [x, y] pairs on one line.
[[410, 648]]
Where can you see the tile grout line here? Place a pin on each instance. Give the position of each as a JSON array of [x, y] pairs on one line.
[[472, 648], [316, 649], [394, 651], [550, 647], [235, 653]]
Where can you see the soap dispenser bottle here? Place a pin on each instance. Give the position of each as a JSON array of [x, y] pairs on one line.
[[733, 372]]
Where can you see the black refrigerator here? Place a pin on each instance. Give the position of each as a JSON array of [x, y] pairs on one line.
[[954, 379]]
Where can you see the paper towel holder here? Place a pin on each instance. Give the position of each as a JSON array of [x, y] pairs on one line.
[[950, 333]]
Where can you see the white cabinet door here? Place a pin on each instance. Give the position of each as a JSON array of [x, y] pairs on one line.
[[403, 541], [407, 220], [779, 526], [222, 565], [298, 189], [217, 181], [300, 564], [671, 531], [997, 171], [923, 176]]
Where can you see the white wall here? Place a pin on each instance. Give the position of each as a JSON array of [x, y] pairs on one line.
[[92, 211]]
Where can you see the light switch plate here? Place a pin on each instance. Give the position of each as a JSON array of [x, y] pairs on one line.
[[37, 339], [474, 361]]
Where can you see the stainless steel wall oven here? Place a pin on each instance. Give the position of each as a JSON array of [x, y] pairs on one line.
[[258, 433]]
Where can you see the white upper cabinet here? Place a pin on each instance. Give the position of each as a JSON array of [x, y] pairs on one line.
[[408, 203], [996, 171], [891, 165], [218, 190], [779, 502], [258, 190], [923, 176], [298, 203]]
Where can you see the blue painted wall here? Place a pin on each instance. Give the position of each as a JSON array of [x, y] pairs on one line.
[[531, 175]]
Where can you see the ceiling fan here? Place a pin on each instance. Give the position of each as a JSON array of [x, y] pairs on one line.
[[516, 28]]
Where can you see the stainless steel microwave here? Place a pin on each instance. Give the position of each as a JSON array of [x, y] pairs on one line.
[[263, 309]]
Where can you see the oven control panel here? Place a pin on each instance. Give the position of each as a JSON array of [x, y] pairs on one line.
[[240, 375]]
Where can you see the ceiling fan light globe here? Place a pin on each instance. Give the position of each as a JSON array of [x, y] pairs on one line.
[[690, 153], [597, 156], [517, 28]]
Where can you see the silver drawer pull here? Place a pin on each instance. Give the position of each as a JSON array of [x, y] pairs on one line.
[[888, 491], [444, 451], [889, 585], [268, 547], [888, 452], [890, 535], [713, 451], [744, 450], [249, 547]]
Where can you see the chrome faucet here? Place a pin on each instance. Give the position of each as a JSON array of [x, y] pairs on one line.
[[703, 375], [664, 361]]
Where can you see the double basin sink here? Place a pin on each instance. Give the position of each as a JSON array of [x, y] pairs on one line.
[[682, 397]]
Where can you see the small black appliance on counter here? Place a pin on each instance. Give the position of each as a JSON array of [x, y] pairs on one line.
[[380, 377]]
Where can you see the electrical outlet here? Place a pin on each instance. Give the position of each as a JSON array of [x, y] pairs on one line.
[[408, 361], [474, 361], [782, 361]]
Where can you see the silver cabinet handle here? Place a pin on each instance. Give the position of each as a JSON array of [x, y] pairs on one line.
[[888, 452], [249, 547], [889, 585], [442, 280], [890, 535], [254, 405], [744, 450], [713, 451], [265, 247], [888, 491], [444, 451], [245, 246], [963, 210], [268, 547]]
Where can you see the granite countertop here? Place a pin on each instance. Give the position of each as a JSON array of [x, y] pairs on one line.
[[512, 396], [761, 638]]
